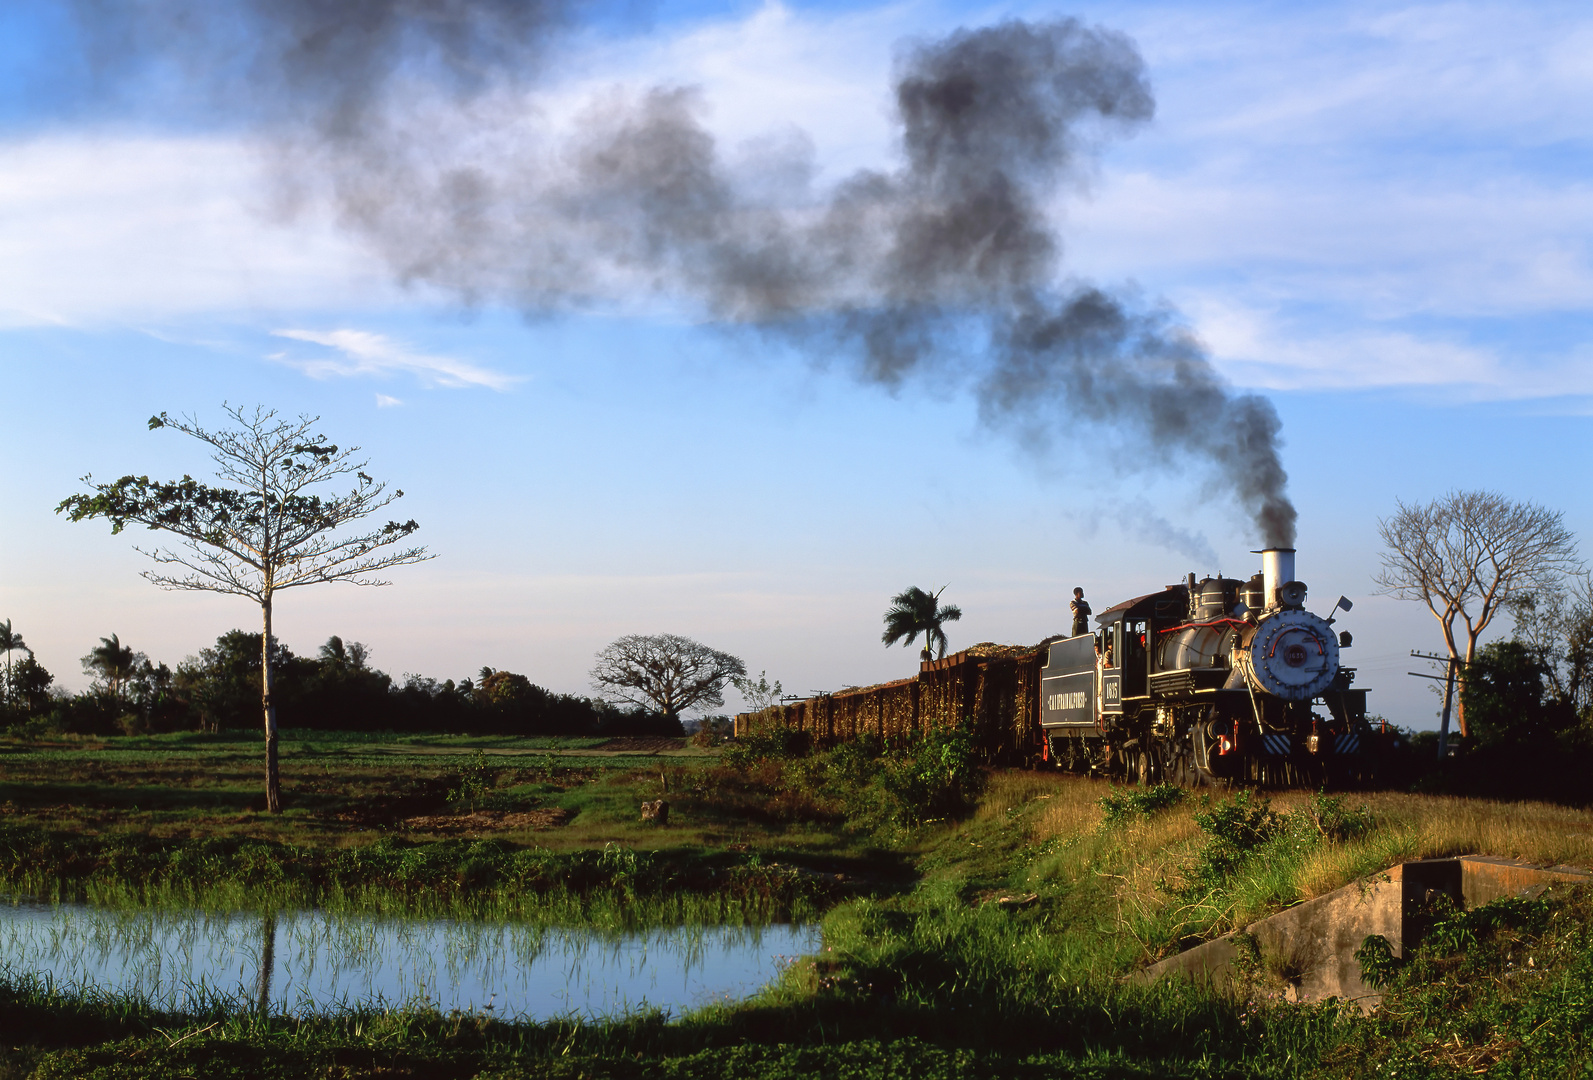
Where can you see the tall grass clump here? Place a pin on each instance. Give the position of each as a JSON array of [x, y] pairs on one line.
[[613, 887], [872, 786], [1127, 804], [1251, 859]]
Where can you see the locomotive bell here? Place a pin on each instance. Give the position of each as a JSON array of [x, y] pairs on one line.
[[1291, 594]]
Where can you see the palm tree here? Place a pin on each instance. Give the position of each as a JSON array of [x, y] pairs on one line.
[[115, 663], [916, 610], [10, 642]]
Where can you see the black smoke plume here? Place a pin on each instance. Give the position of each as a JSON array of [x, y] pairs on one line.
[[419, 120]]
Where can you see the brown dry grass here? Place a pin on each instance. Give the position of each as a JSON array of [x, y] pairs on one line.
[[1405, 826], [1016, 788], [1428, 826], [1135, 860]]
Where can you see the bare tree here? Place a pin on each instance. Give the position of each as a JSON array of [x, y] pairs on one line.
[[270, 532], [665, 672], [1469, 555]]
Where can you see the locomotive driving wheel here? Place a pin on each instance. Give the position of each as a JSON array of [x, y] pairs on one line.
[[1180, 765]]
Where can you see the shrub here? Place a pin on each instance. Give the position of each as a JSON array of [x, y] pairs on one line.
[[713, 731], [779, 743], [1125, 804], [473, 782], [1379, 965], [1325, 817], [938, 778], [1235, 828]]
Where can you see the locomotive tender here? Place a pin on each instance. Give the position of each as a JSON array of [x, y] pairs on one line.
[[1220, 680]]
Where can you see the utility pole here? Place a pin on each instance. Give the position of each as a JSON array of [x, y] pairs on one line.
[[1452, 665]]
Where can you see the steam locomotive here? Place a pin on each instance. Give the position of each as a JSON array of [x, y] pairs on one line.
[[1215, 681]]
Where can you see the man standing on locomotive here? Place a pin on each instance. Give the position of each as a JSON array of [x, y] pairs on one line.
[[1081, 613]]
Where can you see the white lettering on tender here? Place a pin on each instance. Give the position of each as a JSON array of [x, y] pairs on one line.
[[1076, 700]]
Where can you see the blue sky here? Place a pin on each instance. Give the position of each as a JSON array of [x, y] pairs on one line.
[[1377, 215]]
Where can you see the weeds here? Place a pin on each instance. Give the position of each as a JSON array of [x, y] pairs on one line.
[[614, 886], [474, 782], [1004, 960], [865, 786], [1507, 986], [1236, 828], [779, 743], [1126, 804]]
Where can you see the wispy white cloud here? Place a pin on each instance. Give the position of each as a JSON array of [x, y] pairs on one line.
[[385, 401], [1265, 347], [1384, 163], [142, 229], [363, 353]]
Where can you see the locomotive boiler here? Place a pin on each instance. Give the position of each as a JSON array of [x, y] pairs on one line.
[[1220, 680]]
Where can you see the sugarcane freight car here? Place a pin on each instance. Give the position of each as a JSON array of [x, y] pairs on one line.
[[1209, 681], [991, 690]]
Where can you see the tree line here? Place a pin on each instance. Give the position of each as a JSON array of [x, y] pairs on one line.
[[337, 688]]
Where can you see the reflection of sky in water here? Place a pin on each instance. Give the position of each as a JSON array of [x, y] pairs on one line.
[[319, 961]]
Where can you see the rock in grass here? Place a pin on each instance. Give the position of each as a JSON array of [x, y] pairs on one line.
[[656, 811]]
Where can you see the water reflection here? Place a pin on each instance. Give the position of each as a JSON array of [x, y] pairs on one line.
[[268, 962], [302, 962]]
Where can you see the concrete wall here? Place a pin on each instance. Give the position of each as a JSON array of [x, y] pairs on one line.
[[1308, 951]]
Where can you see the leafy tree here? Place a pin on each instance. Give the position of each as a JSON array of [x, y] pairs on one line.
[[502, 689], [915, 611], [758, 695], [510, 702], [1556, 626], [222, 683], [342, 690], [1507, 695], [339, 657], [424, 704], [664, 672], [114, 663], [272, 531], [10, 642], [30, 684], [1467, 556]]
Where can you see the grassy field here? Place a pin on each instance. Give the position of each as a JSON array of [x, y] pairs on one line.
[[484, 828], [972, 930]]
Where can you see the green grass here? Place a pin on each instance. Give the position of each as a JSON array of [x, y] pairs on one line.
[[927, 987], [990, 942], [535, 830]]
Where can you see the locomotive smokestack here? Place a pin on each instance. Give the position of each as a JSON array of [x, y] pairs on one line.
[[1277, 568]]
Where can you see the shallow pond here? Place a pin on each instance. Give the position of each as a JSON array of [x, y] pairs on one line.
[[301, 962]]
